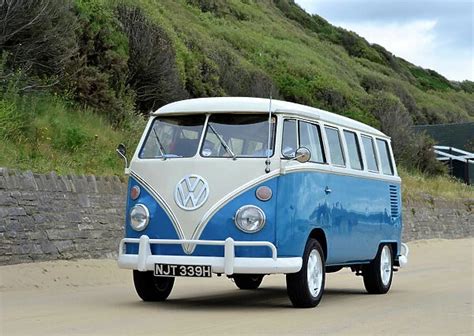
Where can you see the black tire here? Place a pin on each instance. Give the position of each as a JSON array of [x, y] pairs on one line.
[[374, 282], [333, 269], [297, 284], [248, 281], [152, 288]]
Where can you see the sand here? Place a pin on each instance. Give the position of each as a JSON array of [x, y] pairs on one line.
[[433, 295]]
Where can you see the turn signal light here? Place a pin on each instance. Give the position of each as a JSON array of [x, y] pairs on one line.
[[264, 193], [134, 192]]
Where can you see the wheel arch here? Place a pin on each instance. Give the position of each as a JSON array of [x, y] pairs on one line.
[[393, 245], [320, 236]]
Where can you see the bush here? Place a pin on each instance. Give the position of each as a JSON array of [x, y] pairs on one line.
[[219, 8], [330, 94], [71, 138], [97, 74], [241, 80], [372, 82], [13, 122], [430, 79], [315, 23], [410, 149], [38, 35], [16, 110], [467, 86], [424, 159], [152, 65]]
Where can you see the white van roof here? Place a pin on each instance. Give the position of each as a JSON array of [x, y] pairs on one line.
[[260, 105]]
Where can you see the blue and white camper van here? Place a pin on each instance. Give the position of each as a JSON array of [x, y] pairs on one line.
[[247, 187]]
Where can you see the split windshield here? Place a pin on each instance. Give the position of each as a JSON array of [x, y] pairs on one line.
[[227, 135]]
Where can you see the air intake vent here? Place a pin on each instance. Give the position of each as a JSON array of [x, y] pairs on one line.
[[394, 201]]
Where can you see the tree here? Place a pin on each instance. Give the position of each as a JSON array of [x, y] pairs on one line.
[[38, 35]]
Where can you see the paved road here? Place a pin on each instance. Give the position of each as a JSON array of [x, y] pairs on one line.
[[433, 296]]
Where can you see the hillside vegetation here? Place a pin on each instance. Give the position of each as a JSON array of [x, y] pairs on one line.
[[79, 76]]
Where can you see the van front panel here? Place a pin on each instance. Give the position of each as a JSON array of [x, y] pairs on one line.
[[232, 187]]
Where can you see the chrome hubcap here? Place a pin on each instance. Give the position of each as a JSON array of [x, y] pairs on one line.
[[314, 273], [385, 265]]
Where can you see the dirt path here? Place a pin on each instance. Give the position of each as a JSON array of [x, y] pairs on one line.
[[433, 295]]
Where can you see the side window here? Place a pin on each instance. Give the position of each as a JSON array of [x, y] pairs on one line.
[[369, 150], [310, 137], [335, 147], [289, 144], [353, 148], [385, 161]]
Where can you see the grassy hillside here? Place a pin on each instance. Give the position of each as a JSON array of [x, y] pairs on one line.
[[43, 133], [225, 43], [79, 76]]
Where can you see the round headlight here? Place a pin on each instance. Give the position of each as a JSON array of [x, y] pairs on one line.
[[139, 217], [250, 219]]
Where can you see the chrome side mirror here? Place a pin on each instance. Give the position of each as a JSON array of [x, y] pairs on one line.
[[302, 155], [122, 151]]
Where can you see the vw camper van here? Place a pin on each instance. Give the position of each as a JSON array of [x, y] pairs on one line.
[[249, 187]]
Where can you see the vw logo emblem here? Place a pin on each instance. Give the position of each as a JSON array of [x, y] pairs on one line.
[[191, 192]]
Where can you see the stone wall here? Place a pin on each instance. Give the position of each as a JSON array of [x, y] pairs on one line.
[[49, 217], [430, 217]]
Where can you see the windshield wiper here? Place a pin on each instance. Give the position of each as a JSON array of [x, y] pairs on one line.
[[160, 145], [223, 143]]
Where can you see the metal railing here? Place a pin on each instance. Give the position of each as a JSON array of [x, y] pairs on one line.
[[451, 155]]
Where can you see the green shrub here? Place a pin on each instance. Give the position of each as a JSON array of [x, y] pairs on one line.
[[410, 149], [219, 8], [372, 82], [72, 138], [467, 86], [13, 122], [16, 110], [98, 71], [430, 79], [237, 79], [39, 35], [152, 66]]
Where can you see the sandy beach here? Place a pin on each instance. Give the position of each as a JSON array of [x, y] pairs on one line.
[[433, 295]]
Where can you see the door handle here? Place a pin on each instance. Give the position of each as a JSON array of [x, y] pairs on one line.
[[327, 190]]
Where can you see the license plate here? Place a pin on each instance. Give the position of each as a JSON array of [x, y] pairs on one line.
[[173, 270]]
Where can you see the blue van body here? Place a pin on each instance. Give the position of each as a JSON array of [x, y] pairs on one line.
[[353, 230]]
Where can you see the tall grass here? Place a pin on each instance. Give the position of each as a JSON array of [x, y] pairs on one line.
[[417, 186], [43, 132]]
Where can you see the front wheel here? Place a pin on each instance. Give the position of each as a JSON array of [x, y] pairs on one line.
[[152, 288], [378, 274], [306, 288], [248, 281]]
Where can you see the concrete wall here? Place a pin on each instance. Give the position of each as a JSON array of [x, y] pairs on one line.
[[48, 217]]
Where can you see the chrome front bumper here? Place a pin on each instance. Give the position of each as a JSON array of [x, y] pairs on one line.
[[229, 264]]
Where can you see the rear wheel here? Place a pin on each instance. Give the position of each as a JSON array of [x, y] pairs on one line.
[[378, 274], [306, 288], [248, 281], [152, 288]]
